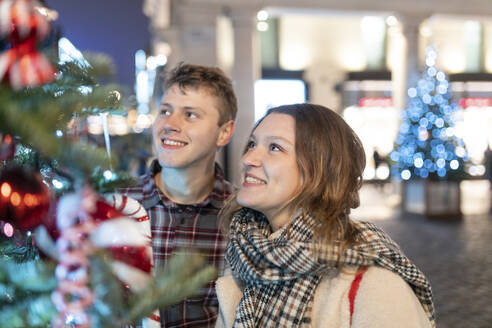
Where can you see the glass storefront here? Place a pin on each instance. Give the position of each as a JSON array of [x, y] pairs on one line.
[[368, 109]]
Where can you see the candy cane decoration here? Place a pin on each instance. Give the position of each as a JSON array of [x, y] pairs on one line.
[[134, 210], [116, 223], [73, 294]]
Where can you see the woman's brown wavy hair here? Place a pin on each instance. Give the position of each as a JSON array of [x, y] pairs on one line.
[[331, 161]]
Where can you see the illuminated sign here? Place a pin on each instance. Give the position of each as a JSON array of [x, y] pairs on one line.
[[376, 102], [475, 102]]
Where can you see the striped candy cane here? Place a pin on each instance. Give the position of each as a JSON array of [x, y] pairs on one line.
[[73, 294], [132, 275]]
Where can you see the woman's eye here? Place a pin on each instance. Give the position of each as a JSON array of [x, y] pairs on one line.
[[274, 147], [165, 112], [251, 144]]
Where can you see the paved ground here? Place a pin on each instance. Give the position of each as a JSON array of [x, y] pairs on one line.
[[455, 256]]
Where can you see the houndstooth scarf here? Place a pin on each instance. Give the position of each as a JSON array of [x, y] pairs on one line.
[[280, 274]]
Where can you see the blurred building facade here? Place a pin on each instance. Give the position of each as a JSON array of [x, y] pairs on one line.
[[356, 57]]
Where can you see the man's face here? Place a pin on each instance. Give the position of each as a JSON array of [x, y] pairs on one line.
[[186, 131]]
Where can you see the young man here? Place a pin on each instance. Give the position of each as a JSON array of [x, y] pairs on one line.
[[184, 189]]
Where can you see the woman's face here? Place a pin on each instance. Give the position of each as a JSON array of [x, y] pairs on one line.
[[271, 175]]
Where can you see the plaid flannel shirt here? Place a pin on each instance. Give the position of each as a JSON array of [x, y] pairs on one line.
[[176, 226]]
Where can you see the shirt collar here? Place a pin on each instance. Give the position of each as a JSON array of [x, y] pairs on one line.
[[152, 194]]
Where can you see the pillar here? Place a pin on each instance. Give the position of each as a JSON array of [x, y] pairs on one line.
[[193, 33], [245, 71], [406, 72]]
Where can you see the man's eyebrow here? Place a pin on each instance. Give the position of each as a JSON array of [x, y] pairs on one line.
[[168, 105], [193, 108]]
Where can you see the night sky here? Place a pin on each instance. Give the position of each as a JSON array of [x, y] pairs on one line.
[[117, 28]]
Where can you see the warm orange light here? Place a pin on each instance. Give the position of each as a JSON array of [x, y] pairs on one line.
[[5, 189], [29, 200], [15, 199], [7, 139]]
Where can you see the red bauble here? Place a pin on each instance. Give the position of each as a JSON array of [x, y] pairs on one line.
[[24, 27], [24, 198]]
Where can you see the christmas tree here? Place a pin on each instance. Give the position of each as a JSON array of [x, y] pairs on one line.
[[51, 180], [426, 145]]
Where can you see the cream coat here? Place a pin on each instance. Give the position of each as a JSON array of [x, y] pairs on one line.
[[384, 300]]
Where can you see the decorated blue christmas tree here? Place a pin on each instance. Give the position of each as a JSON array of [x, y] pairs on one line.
[[427, 146]]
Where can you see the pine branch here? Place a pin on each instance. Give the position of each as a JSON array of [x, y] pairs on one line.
[[117, 181], [34, 115], [18, 254], [102, 66], [186, 274], [33, 312], [115, 306], [109, 303], [25, 290]]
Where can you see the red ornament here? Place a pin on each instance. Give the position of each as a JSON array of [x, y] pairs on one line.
[[24, 198], [22, 65]]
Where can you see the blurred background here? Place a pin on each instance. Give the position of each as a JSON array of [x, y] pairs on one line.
[[413, 79]]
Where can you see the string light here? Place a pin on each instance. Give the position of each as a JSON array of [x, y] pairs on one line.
[[57, 184], [108, 175], [8, 230], [5, 189], [262, 15]]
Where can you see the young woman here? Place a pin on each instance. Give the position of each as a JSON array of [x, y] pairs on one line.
[[295, 258]]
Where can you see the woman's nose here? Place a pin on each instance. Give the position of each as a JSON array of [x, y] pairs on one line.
[[252, 157]]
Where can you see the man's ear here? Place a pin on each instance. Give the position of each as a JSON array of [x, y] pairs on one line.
[[225, 133]]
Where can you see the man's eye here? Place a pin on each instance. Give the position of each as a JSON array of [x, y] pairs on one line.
[[165, 112], [274, 147], [191, 115]]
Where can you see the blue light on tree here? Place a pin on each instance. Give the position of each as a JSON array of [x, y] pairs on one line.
[[426, 145]]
